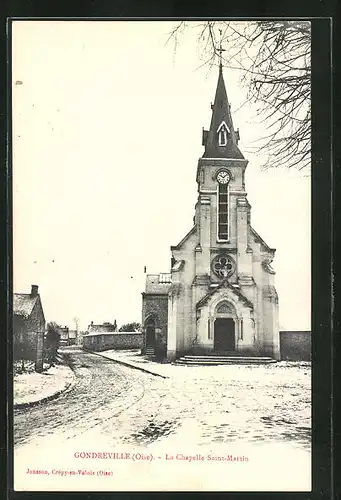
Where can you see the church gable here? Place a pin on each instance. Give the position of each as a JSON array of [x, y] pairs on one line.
[[187, 241], [224, 285], [254, 236]]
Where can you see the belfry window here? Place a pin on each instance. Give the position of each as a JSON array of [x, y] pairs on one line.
[[222, 137], [222, 132], [223, 212]]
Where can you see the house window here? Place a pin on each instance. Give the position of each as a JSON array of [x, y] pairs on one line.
[[223, 212], [241, 329]]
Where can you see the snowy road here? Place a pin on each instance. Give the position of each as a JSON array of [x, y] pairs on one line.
[[114, 407], [103, 390], [228, 403]]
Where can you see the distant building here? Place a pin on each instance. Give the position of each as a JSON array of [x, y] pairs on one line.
[[28, 327], [67, 336], [102, 328], [72, 337], [64, 335]]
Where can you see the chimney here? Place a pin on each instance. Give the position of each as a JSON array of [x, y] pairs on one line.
[[34, 290]]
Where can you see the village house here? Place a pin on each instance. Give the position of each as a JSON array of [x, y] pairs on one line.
[[219, 296], [67, 336], [63, 335], [102, 328], [72, 339], [28, 327]]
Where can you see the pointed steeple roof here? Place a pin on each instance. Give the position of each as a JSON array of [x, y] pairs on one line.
[[221, 140]]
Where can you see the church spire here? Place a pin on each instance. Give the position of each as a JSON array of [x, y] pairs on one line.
[[221, 140]]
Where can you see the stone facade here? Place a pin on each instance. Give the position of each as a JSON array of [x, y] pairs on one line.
[[28, 327], [220, 294], [155, 317]]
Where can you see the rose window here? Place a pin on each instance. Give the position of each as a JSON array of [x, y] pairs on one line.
[[223, 266]]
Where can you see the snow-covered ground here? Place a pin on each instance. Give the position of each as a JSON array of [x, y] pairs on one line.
[[31, 387], [259, 413]]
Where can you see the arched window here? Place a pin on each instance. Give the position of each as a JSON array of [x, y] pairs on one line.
[[224, 309]]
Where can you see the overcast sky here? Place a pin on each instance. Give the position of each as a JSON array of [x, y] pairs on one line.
[[107, 134]]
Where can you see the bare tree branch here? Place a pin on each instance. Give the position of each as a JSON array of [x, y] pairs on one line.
[[273, 58]]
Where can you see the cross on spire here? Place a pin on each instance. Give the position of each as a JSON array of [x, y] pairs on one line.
[[220, 49]]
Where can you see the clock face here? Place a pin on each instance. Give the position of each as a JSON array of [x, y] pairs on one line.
[[223, 177]]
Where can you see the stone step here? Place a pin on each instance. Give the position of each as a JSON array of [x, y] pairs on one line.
[[222, 353], [235, 358], [215, 363], [227, 360], [150, 351], [222, 363]]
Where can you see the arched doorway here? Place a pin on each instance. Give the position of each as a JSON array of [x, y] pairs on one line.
[[150, 333], [224, 328]]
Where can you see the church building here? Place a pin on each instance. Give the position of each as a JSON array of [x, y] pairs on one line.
[[219, 296]]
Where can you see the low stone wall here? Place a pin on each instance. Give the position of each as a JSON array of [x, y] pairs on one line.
[[116, 340], [295, 345]]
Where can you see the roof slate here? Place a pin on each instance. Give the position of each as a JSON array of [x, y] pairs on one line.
[[23, 304], [221, 112]]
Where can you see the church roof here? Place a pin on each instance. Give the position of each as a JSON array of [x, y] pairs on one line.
[[221, 117], [185, 238], [259, 239], [158, 283]]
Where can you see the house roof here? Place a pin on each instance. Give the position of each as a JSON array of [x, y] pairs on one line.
[[158, 283], [23, 304], [104, 327]]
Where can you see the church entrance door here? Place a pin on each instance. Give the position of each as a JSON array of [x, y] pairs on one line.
[[224, 338], [150, 334]]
